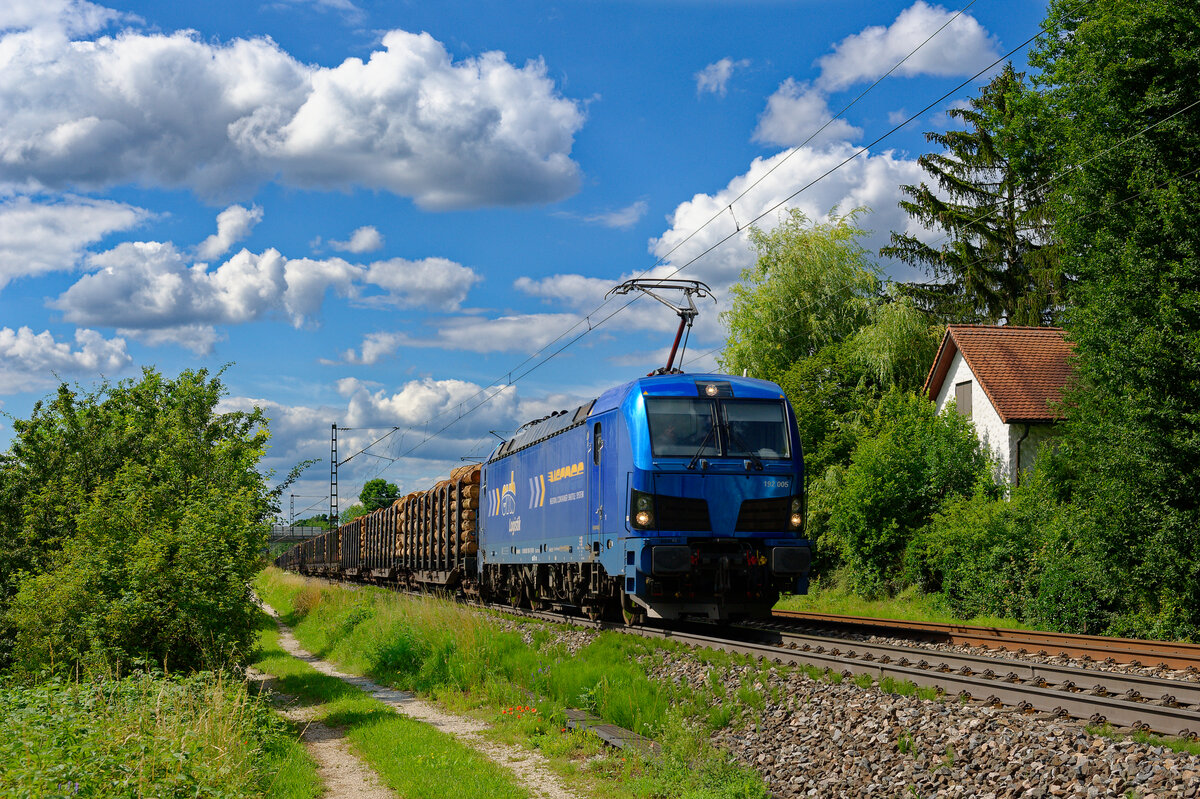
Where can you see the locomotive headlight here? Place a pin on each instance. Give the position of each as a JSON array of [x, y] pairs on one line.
[[642, 506], [797, 504], [711, 390], [797, 519]]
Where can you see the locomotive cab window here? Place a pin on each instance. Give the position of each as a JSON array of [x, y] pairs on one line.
[[681, 427], [756, 429]]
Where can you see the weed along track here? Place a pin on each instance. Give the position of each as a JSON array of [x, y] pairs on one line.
[[812, 725]]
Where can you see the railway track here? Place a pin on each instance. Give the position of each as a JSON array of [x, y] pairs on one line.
[[1166, 654], [1131, 701]]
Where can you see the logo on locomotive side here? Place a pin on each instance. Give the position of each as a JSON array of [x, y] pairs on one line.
[[564, 472], [508, 496]]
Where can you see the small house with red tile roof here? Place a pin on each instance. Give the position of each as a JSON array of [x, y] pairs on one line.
[[1008, 381]]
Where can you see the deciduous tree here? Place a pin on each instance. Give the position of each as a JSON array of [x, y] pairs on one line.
[[378, 493], [1121, 76], [140, 515], [812, 286]]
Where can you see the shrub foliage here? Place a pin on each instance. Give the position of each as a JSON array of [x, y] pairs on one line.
[[132, 525]]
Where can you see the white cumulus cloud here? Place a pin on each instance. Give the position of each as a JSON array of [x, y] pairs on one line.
[[152, 291], [175, 110], [432, 283], [795, 112], [364, 239], [963, 48], [714, 78], [233, 225], [34, 361], [871, 180], [36, 238], [69, 17]]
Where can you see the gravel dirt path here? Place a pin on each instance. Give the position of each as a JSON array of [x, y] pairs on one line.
[[342, 773], [531, 768]]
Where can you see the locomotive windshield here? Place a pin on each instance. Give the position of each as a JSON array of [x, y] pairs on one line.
[[682, 427], [756, 429]]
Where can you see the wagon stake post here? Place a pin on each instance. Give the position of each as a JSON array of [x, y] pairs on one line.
[[687, 313]]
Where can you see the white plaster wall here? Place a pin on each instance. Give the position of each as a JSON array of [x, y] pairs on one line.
[[1038, 434], [992, 432]]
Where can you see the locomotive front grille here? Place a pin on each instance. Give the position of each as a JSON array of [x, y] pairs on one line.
[[764, 515], [683, 513]]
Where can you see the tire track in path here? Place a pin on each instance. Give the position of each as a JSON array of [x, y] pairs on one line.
[[341, 771], [531, 768]]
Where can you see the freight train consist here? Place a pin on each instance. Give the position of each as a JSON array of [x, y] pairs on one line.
[[671, 496]]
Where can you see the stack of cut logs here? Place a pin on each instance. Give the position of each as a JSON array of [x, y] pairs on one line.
[[437, 527]]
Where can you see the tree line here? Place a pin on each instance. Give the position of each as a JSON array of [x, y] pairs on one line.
[[1067, 196]]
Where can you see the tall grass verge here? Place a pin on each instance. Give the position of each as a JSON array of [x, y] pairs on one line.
[[468, 661], [147, 735], [411, 757], [911, 604]]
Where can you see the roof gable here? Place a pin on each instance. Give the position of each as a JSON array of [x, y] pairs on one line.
[[1023, 370]]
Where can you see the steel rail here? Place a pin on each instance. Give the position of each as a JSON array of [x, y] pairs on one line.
[[1093, 706], [1168, 654], [1135, 687]]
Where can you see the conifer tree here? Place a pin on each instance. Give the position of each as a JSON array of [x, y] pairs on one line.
[[988, 198]]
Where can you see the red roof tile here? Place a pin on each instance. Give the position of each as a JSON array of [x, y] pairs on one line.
[[1023, 370]]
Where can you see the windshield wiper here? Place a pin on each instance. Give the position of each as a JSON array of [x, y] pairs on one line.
[[736, 439], [692, 463]]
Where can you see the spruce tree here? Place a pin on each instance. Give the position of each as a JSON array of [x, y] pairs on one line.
[[988, 198]]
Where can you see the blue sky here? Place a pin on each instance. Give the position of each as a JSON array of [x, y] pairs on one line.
[[375, 212]]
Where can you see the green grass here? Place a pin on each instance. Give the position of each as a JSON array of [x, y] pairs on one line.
[[147, 735], [293, 769], [1181, 745], [411, 757], [463, 659], [908, 605]]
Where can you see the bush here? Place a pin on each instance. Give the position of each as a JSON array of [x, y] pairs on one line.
[[980, 551], [911, 462], [142, 517]]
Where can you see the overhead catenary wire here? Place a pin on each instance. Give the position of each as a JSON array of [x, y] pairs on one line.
[[586, 318], [1122, 201], [776, 206]]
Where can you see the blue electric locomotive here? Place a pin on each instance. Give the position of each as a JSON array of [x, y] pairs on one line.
[[671, 496]]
